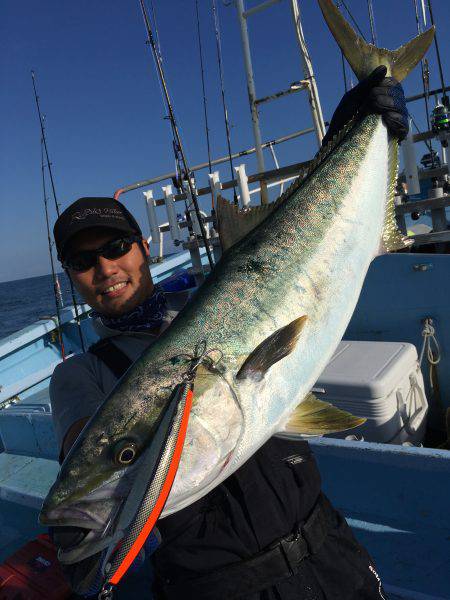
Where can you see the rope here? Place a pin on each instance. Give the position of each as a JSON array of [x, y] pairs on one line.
[[429, 340]]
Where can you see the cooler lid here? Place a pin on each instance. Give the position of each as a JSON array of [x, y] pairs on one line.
[[367, 369]]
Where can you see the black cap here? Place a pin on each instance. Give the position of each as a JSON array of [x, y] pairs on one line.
[[86, 213]]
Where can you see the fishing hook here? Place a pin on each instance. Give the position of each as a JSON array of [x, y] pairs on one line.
[[200, 356]]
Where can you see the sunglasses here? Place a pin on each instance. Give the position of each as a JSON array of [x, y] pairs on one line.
[[86, 259]]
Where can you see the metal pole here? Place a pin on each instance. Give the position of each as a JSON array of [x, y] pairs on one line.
[[216, 161], [314, 101], [252, 94]]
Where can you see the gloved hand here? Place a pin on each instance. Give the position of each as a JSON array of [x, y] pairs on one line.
[[375, 94]]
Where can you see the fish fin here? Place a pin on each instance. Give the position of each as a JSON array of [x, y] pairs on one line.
[[363, 57], [392, 238], [316, 417], [271, 350], [235, 223]]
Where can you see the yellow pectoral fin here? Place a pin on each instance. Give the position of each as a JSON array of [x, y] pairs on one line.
[[316, 417]]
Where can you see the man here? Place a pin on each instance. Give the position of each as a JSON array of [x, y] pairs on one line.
[[115, 281], [265, 533]]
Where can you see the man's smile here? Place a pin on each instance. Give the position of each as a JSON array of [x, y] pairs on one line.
[[115, 289]]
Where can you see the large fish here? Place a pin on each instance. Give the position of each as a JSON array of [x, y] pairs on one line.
[[269, 317]]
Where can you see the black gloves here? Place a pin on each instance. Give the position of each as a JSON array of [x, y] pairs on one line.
[[375, 94]]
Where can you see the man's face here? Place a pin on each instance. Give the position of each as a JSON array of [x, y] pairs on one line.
[[112, 286]]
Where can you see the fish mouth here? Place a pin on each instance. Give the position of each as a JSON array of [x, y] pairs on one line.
[[85, 526], [72, 516], [78, 532]]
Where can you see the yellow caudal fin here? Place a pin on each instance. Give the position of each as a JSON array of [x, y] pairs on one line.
[[363, 57]]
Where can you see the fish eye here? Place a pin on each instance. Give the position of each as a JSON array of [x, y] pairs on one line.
[[125, 452]]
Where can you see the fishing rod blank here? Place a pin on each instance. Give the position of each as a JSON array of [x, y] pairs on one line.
[[372, 22], [49, 167], [175, 130], [425, 85], [445, 101], [50, 251], [222, 88], [202, 70]]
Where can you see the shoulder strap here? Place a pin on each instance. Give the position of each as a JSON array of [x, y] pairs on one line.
[[116, 360]]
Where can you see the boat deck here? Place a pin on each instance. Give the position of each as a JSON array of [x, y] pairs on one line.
[[394, 497]]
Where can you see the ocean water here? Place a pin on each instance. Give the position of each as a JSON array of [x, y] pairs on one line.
[[24, 301]]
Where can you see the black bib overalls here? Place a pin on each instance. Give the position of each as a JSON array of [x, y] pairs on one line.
[[225, 545], [207, 547]]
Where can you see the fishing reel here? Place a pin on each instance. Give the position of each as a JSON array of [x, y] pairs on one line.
[[440, 122]]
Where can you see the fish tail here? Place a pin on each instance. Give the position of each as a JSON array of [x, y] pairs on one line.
[[363, 57]]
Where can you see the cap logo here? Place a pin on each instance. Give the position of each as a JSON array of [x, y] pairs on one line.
[[107, 213]]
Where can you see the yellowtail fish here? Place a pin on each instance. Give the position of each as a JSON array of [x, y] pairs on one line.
[[268, 318]]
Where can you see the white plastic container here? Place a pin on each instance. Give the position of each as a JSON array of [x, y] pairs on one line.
[[382, 382]]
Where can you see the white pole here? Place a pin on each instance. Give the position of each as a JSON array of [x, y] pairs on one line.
[[215, 185], [251, 94], [151, 215], [171, 213], [243, 185], [410, 163], [275, 160], [314, 101]]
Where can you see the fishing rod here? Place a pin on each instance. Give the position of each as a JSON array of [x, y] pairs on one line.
[[344, 74], [178, 170], [202, 70], [57, 207], [425, 83], [372, 22], [222, 88], [445, 100], [353, 19], [171, 115], [50, 251]]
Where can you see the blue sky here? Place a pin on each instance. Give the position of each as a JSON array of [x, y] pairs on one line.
[[103, 108]]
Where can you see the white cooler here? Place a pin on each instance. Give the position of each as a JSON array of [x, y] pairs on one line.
[[382, 382]]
